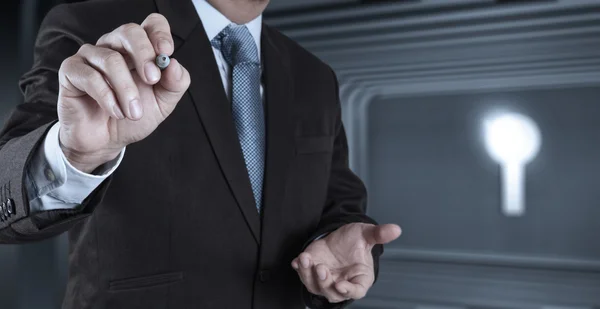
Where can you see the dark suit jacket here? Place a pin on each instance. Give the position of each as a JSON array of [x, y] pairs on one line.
[[176, 225]]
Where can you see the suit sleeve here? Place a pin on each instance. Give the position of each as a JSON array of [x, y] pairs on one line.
[[346, 203], [25, 131]]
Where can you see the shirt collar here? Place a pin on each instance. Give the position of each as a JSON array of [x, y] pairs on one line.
[[214, 22]]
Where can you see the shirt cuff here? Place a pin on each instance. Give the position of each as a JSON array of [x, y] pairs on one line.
[[321, 236], [53, 175]]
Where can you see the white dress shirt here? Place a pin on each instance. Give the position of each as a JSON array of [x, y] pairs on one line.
[[53, 183]]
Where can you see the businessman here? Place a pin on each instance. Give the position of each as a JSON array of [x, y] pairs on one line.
[[221, 181]]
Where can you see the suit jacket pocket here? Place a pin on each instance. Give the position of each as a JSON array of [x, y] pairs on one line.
[[145, 282], [314, 144]]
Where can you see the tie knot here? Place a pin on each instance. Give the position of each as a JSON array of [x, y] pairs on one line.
[[237, 45]]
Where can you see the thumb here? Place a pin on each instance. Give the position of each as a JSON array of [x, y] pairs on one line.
[[381, 234], [173, 84]]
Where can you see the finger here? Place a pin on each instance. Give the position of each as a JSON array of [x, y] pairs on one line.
[[132, 40], [159, 32], [323, 274], [358, 280], [351, 290], [79, 78], [381, 234], [115, 69], [175, 82], [305, 263], [326, 284], [305, 272], [360, 272]]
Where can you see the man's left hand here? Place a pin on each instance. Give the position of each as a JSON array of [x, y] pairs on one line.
[[340, 266]]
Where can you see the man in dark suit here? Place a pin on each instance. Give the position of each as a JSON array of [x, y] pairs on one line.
[[234, 193]]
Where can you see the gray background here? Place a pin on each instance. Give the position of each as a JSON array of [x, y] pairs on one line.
[[417, 78], [430, 171]]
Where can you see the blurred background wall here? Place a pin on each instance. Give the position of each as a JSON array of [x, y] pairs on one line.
[[418, 80]]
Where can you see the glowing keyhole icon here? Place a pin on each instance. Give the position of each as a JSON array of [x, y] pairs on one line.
[[513, 140]]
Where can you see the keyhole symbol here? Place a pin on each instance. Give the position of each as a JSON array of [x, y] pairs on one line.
[[512, 140]]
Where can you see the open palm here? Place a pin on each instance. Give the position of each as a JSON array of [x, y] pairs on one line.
[[340, 266]]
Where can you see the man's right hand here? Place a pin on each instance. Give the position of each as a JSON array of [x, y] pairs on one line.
[[112, 94]]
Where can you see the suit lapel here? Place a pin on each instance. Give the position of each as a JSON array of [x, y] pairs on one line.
[[212, 105], [280, 128], [181, 14]]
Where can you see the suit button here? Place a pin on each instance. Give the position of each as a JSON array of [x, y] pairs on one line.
[[264, 275], [10, 206]]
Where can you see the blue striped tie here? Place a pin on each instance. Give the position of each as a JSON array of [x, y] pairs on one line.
[[240, 51]]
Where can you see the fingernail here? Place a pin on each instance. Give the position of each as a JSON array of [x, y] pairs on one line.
[[322, 276], [135, 109], [152, 72], [164, 46], [343, 291], [305, 262], [117, 111]]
